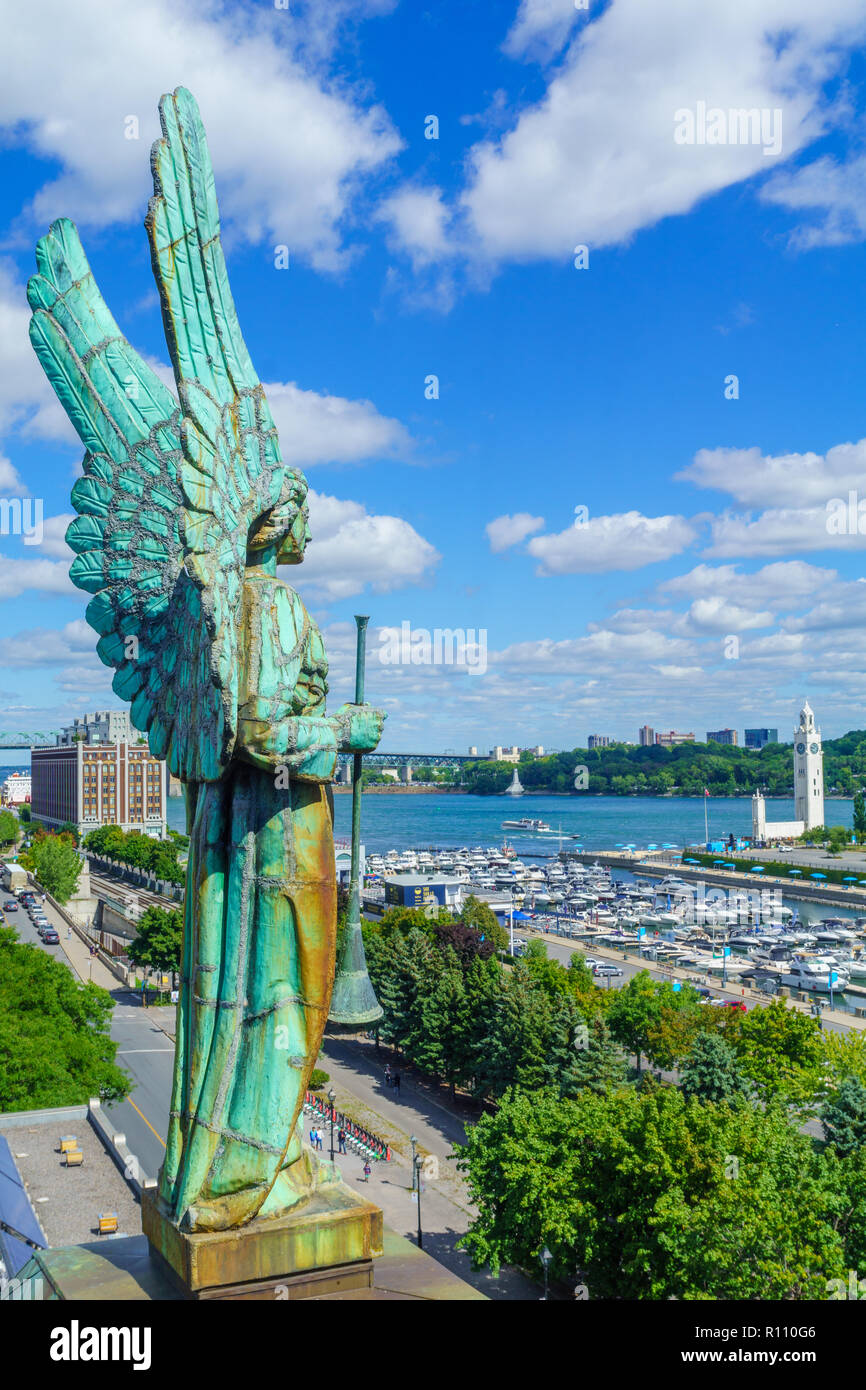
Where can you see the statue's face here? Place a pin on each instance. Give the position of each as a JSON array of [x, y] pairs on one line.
[[291, 552], [285, 526]]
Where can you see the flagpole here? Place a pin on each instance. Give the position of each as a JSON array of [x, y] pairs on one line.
[[706, 830]]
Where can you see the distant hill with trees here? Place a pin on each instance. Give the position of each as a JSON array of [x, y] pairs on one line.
[[628, 770]]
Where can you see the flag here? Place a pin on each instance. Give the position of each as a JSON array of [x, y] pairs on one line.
[[706, 793]]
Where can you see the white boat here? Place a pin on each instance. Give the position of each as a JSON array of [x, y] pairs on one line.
[[808, 976], [527, 823]]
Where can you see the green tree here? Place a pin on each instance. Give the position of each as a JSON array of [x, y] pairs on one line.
[[711, 1072], [599, 1064], [781, 1053], [844, 1117], [480, 915], [24, 814], [633, 1013], [8, 828], [159, 943], [860, 814], [55, 1047], [56, 865], [643, 1194]]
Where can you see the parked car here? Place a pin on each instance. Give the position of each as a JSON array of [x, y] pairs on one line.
[[607, 968], [50, 937], [10, 907]]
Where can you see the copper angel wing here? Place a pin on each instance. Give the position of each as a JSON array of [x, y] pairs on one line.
[[231, 473], [128, 536]]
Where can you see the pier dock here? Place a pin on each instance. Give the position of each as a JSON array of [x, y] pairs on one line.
[[660, 865]]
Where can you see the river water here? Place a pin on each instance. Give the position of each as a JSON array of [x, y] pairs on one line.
[[401, 820]]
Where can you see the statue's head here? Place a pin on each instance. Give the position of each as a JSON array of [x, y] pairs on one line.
[[285, 525]]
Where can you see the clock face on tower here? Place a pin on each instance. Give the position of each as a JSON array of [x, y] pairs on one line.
[[813, 747], [801, 747]]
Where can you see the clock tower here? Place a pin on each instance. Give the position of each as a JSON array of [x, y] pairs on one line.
[[808, 771]]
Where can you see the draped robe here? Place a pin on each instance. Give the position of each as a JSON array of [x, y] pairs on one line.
[[259, 932]]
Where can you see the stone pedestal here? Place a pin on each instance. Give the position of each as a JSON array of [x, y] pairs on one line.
[[326, 1246]]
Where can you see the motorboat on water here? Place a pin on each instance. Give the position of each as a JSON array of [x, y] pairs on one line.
[[527, 823], [813, 976]]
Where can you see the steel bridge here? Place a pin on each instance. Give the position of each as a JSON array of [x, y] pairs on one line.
[[446, 759], [33, 740], [45, 739]]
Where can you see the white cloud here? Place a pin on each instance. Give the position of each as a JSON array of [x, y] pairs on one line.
[[780, 480], [622, 542], [505, 531], [829, 187], [542, 27], [10, 483], [419, 219], [595, 160], [779, 532], [291, 144], [714, 615], [45, 576], [785, 584], [316, 428], [54, 537], [352, 549], [49, 646]]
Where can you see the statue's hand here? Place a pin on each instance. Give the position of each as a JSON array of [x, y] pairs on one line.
[[360, 728]]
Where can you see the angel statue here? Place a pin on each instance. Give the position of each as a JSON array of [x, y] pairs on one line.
[[185, 510]]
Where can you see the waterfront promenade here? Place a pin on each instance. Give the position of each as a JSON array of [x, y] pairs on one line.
[[659, 865]]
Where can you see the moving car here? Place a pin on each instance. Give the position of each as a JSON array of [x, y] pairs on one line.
[[606, 968]]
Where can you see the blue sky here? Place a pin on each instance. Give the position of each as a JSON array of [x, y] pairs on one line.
[[559, 388]]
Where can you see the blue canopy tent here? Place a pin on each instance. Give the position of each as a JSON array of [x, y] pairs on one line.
[[850, 878], [756, 869], [817, 875], [795, 871]]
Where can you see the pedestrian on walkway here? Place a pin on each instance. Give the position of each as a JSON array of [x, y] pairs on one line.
[[395, 1082], [341, 1141], [388, 1074], [312, 1136], [319, 1139], [367, 1171], [68, 933]]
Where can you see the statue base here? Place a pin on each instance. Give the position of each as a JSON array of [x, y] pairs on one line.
[[325, 1246]]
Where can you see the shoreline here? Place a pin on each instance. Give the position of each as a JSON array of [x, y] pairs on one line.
[[398, 787]]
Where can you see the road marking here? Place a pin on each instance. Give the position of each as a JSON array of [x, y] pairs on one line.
[[146, 1121]]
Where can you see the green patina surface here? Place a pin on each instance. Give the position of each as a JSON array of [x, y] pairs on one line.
[[185, 511]]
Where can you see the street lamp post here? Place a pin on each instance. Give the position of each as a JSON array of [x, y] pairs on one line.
[[331, 1098], [417, 1168], [546, 1258], [414, 1142]]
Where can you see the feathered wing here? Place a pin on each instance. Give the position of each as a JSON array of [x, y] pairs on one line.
[[231, 471], [128, 536]]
